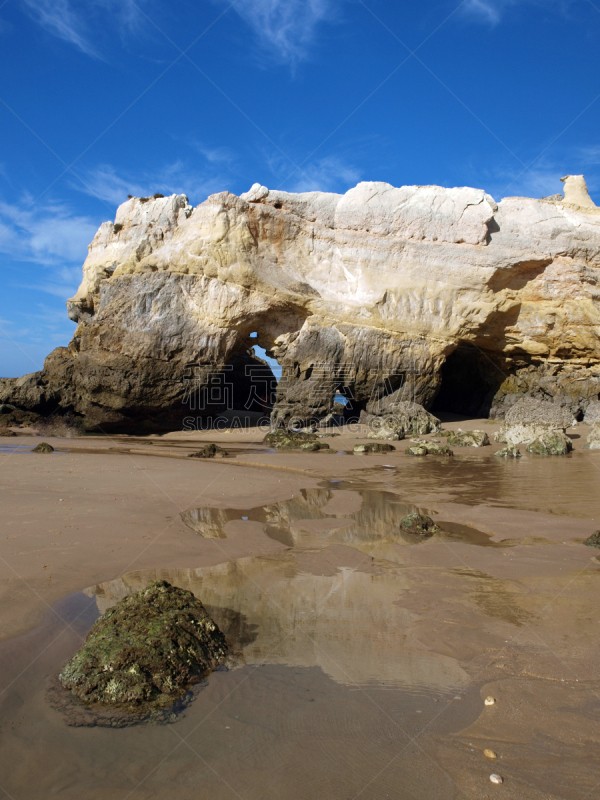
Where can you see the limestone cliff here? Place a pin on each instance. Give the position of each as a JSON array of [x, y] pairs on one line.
[[381, 293]]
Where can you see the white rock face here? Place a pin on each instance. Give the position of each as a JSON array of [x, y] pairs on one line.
[[379, 284], [576, 191]]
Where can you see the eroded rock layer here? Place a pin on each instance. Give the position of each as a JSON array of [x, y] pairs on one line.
[[382, 294]]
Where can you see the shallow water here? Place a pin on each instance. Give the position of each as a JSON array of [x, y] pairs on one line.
[[15, 448], [565, 485], [361, 656], [322, 681], [262, 731], [339, 513]]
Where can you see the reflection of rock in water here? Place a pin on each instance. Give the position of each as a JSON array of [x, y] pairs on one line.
[[496, 598], [367, 520], [208, 522], [350, 624], [376, 518]]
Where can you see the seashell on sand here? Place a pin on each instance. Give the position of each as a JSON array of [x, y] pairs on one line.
[[496, 778], [490, 701]]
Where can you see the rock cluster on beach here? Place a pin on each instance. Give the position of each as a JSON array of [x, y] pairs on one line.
[[382, 294], [540, 425], [146, 651]]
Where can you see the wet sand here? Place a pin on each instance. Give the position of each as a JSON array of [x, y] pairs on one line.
[[364, 656]]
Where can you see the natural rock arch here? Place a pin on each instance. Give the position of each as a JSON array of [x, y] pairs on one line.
[[371, 291]]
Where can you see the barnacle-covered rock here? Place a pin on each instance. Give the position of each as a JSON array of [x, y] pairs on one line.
[[551, 443], [419, 524], [146, 651]]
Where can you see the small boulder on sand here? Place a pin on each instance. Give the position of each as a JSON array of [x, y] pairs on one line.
[[468, 438], [593, 439], [285, 439], [510, 451], [405, 418], [43, 447], [146, 651], [209, 451], [593, 540], [530, 419], [551, 443], [373, 447], [419, 525], [592, 413]]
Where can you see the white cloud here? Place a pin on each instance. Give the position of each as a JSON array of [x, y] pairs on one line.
[[176, 178], [59, 19], [542, 179], [286, 28], [492, 11], [487, 10], [44, 236], [76, 21], [330, 174]]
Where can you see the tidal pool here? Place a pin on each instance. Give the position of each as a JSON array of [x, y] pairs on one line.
[[361, 662]]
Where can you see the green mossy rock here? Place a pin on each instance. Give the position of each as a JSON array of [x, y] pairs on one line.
[[284, 439], [419, 525], [435, 449], [146, 651], [313, 447], [373, 447], [552, 443], [209, 451], [593, 540], [468, 438], [510, 451], [416, 450], [43, 447]]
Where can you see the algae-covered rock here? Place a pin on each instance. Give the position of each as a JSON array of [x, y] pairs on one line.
[[373, 447], [285, 439], [468, 438], [416, 450], [419, 524], [593, 438], [313, 447], [593, 540], [510, 451], [551, 443], [209, 451], [530, 419], [145, 651], [405, 418], [43, 447], [4, 432], [435, 449]]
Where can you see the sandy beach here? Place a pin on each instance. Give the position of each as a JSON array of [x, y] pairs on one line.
[[377, 651]]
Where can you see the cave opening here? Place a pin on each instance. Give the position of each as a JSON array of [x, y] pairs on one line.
[[470, 377]]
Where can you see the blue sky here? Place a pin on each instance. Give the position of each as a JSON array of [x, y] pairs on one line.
[[104, 98]]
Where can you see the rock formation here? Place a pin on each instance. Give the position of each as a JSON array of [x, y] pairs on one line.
[[530, 420], [439, 296], [576, 191], [146, 651]]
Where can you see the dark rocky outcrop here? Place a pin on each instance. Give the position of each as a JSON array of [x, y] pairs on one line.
[[43, 447], [419, 525], [373, 447], [209, 451], [146, 651]]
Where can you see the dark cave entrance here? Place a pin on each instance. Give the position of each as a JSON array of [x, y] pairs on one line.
[[470, 377], [254, 384]]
